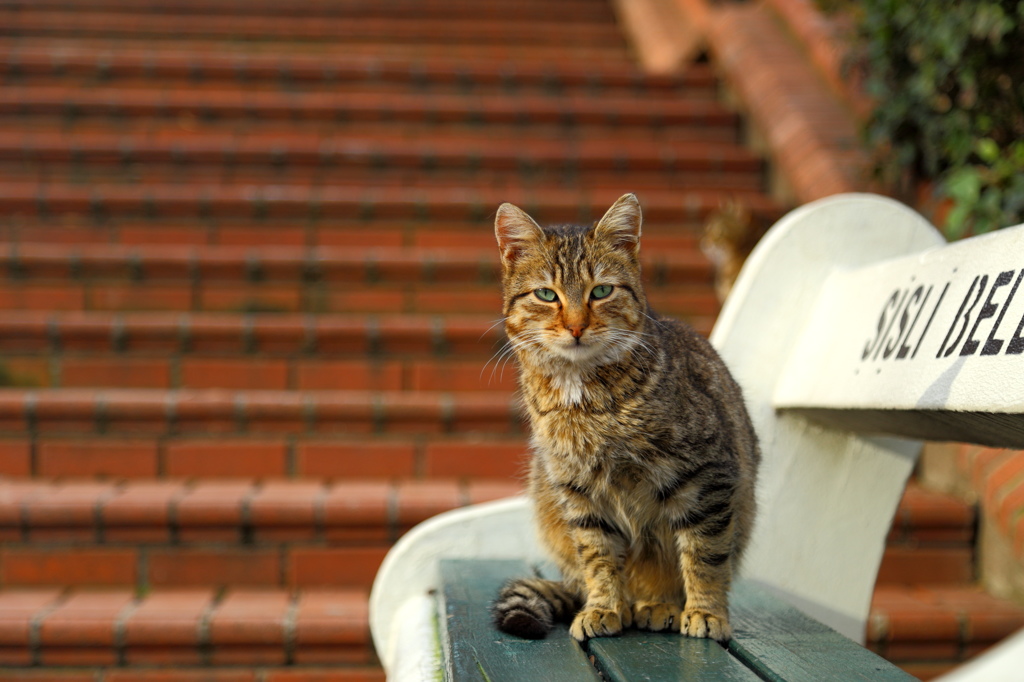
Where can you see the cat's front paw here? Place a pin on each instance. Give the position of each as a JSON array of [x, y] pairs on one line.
[[599, 622], [705, 624], [655, 616]]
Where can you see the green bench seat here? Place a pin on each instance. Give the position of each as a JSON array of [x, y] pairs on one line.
[[771, 641]]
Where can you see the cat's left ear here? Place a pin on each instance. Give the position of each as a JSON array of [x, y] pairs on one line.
[[621, 224]]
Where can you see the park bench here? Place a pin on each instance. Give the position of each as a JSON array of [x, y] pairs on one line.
[[855, 332]]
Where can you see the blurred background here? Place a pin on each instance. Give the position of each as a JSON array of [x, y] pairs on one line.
[[250, 319]]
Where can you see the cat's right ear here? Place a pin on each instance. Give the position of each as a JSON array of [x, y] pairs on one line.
[[621, 225], [516, 232]]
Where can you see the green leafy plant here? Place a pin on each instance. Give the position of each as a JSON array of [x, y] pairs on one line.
[[948, 82]]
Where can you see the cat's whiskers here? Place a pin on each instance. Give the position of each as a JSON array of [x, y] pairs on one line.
[[524, 340], [657, 322], [498, 359], [631, 337], [632, 342], [633, 345], [640, 344], [500, 320]]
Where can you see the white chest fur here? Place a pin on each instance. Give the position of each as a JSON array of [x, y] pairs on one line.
[[570, 386]]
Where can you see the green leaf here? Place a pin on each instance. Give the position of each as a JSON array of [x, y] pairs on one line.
[[964, 185], [956, 221], [988, 150]]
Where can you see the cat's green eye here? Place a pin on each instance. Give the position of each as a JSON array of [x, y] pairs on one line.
[[546, 295], [601, 291]]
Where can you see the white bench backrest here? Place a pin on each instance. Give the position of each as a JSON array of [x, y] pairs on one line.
[[846, 323]]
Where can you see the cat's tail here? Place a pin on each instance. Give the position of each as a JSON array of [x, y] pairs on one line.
[[529, 607]]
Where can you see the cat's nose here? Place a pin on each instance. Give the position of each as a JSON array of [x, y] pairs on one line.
[[576, 329]]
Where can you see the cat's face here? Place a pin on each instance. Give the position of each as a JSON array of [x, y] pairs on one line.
[[573, 293]]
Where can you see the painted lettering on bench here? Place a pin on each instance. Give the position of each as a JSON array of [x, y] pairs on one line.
[[963, 317], [992, 344], [905, 319], [987, 311], [899, 320]]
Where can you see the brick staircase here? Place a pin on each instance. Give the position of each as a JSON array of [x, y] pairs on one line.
[[928, 613], [248, 319]]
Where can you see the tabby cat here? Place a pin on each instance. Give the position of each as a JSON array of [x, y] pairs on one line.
[[644, 457]]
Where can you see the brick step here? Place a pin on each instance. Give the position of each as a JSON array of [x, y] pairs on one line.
[[526, 177], [216, 411], [255, 372], [339, 151], [614, 55], [207, 517], [218, 159], [931, 540], [930, 629], [915, 564], [254, 71], [202, 175], [691, 302], [255, 351], [320, 77], [264, 351], [335, 265], [185, 124], [585, 10], [285, 279], [394, 28], [676, 237], [144, 529], [367, 337], [350, 107], [928, 517], [215, 534], [131, 633], [335, 456], [268, 202]]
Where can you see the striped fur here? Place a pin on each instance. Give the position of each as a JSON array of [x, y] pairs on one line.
[[529, 607], [644, 458]]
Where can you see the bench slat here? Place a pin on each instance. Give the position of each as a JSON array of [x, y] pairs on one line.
[[784, 645], [771, 641], [476, 650], [666, 656]]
